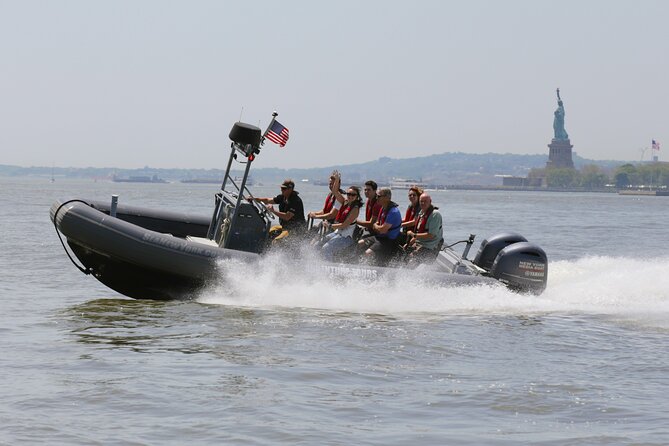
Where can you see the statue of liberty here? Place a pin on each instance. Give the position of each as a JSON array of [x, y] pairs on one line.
[[558, 121]]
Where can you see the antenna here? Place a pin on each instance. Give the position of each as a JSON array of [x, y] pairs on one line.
[[240, 114]]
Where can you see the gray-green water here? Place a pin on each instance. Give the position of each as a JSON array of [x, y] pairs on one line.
[[263, 360]]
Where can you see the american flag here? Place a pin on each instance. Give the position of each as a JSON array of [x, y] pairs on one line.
[[278, 134], [656, 145]]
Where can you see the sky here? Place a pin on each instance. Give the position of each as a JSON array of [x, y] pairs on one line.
[[160, 83]]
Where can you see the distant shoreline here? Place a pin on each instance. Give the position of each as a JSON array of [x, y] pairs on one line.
[[446, 171], [429, 187], [442, 169]]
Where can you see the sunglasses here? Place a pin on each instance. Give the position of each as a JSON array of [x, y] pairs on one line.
[[351, 194]]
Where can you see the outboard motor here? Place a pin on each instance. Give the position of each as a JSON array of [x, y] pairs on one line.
[[491, 246], [522, 266]]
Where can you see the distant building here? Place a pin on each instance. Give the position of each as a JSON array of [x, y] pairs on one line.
[[509, 180], [403, 183]]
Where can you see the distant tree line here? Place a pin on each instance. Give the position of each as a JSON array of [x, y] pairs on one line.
[[592, 176], [652, 174]]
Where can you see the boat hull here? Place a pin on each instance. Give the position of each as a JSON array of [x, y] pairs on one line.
[[137, 261], [136, 280], [162, 255]]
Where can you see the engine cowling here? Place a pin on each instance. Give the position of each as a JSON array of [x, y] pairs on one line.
[[490, 247], [522, 266]]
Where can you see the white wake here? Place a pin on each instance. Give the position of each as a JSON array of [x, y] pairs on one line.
[[599, 285]]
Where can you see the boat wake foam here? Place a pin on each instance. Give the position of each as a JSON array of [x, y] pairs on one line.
[[626, 288], [597, 285]]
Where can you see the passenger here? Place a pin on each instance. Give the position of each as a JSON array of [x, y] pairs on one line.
[[332, 204], [344, 224], [372, 208], [428, 234], [291, 210], [409, 221], [387, 228]]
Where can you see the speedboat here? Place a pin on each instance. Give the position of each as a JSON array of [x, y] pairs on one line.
[[163, 255]]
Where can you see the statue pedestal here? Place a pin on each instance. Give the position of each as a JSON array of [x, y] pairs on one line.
[[559, 155]]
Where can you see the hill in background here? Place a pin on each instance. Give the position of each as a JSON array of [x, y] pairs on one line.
[[455, 168]]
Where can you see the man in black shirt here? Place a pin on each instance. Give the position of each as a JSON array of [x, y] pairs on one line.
[[291, 209]]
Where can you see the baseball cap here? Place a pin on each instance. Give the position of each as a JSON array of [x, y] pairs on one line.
[[288, 184]]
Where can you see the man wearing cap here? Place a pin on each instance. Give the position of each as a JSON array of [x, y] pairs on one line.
[[291, 209]]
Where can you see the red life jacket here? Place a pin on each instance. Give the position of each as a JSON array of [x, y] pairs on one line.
[[369, 208], [329, 203], [422, 220], [411, 213], [381, 217], [383, 213], [343, 213]]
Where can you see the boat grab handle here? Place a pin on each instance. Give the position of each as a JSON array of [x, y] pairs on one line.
[[80, 268]]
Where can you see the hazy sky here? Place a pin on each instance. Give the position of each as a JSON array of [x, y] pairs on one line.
[[160, 83]]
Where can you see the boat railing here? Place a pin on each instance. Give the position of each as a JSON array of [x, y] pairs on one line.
[[247, 141]]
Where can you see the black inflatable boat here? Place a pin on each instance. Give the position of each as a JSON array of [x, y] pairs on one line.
[[153, 254]]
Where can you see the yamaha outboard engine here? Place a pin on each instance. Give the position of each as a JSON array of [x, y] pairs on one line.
[[510, 258], [522, 266], [491, 246]]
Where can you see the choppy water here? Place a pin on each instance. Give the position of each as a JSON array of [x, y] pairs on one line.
[[273, 357]]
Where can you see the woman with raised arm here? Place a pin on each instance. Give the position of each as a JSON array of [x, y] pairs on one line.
[[332, 203]]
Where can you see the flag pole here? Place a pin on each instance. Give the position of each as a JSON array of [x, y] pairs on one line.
[[274, 115]]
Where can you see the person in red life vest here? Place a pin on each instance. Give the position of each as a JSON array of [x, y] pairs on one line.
[[332, 204], [343, 225], [372, 208], [387, 228], [411, 214], [425, 238]]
